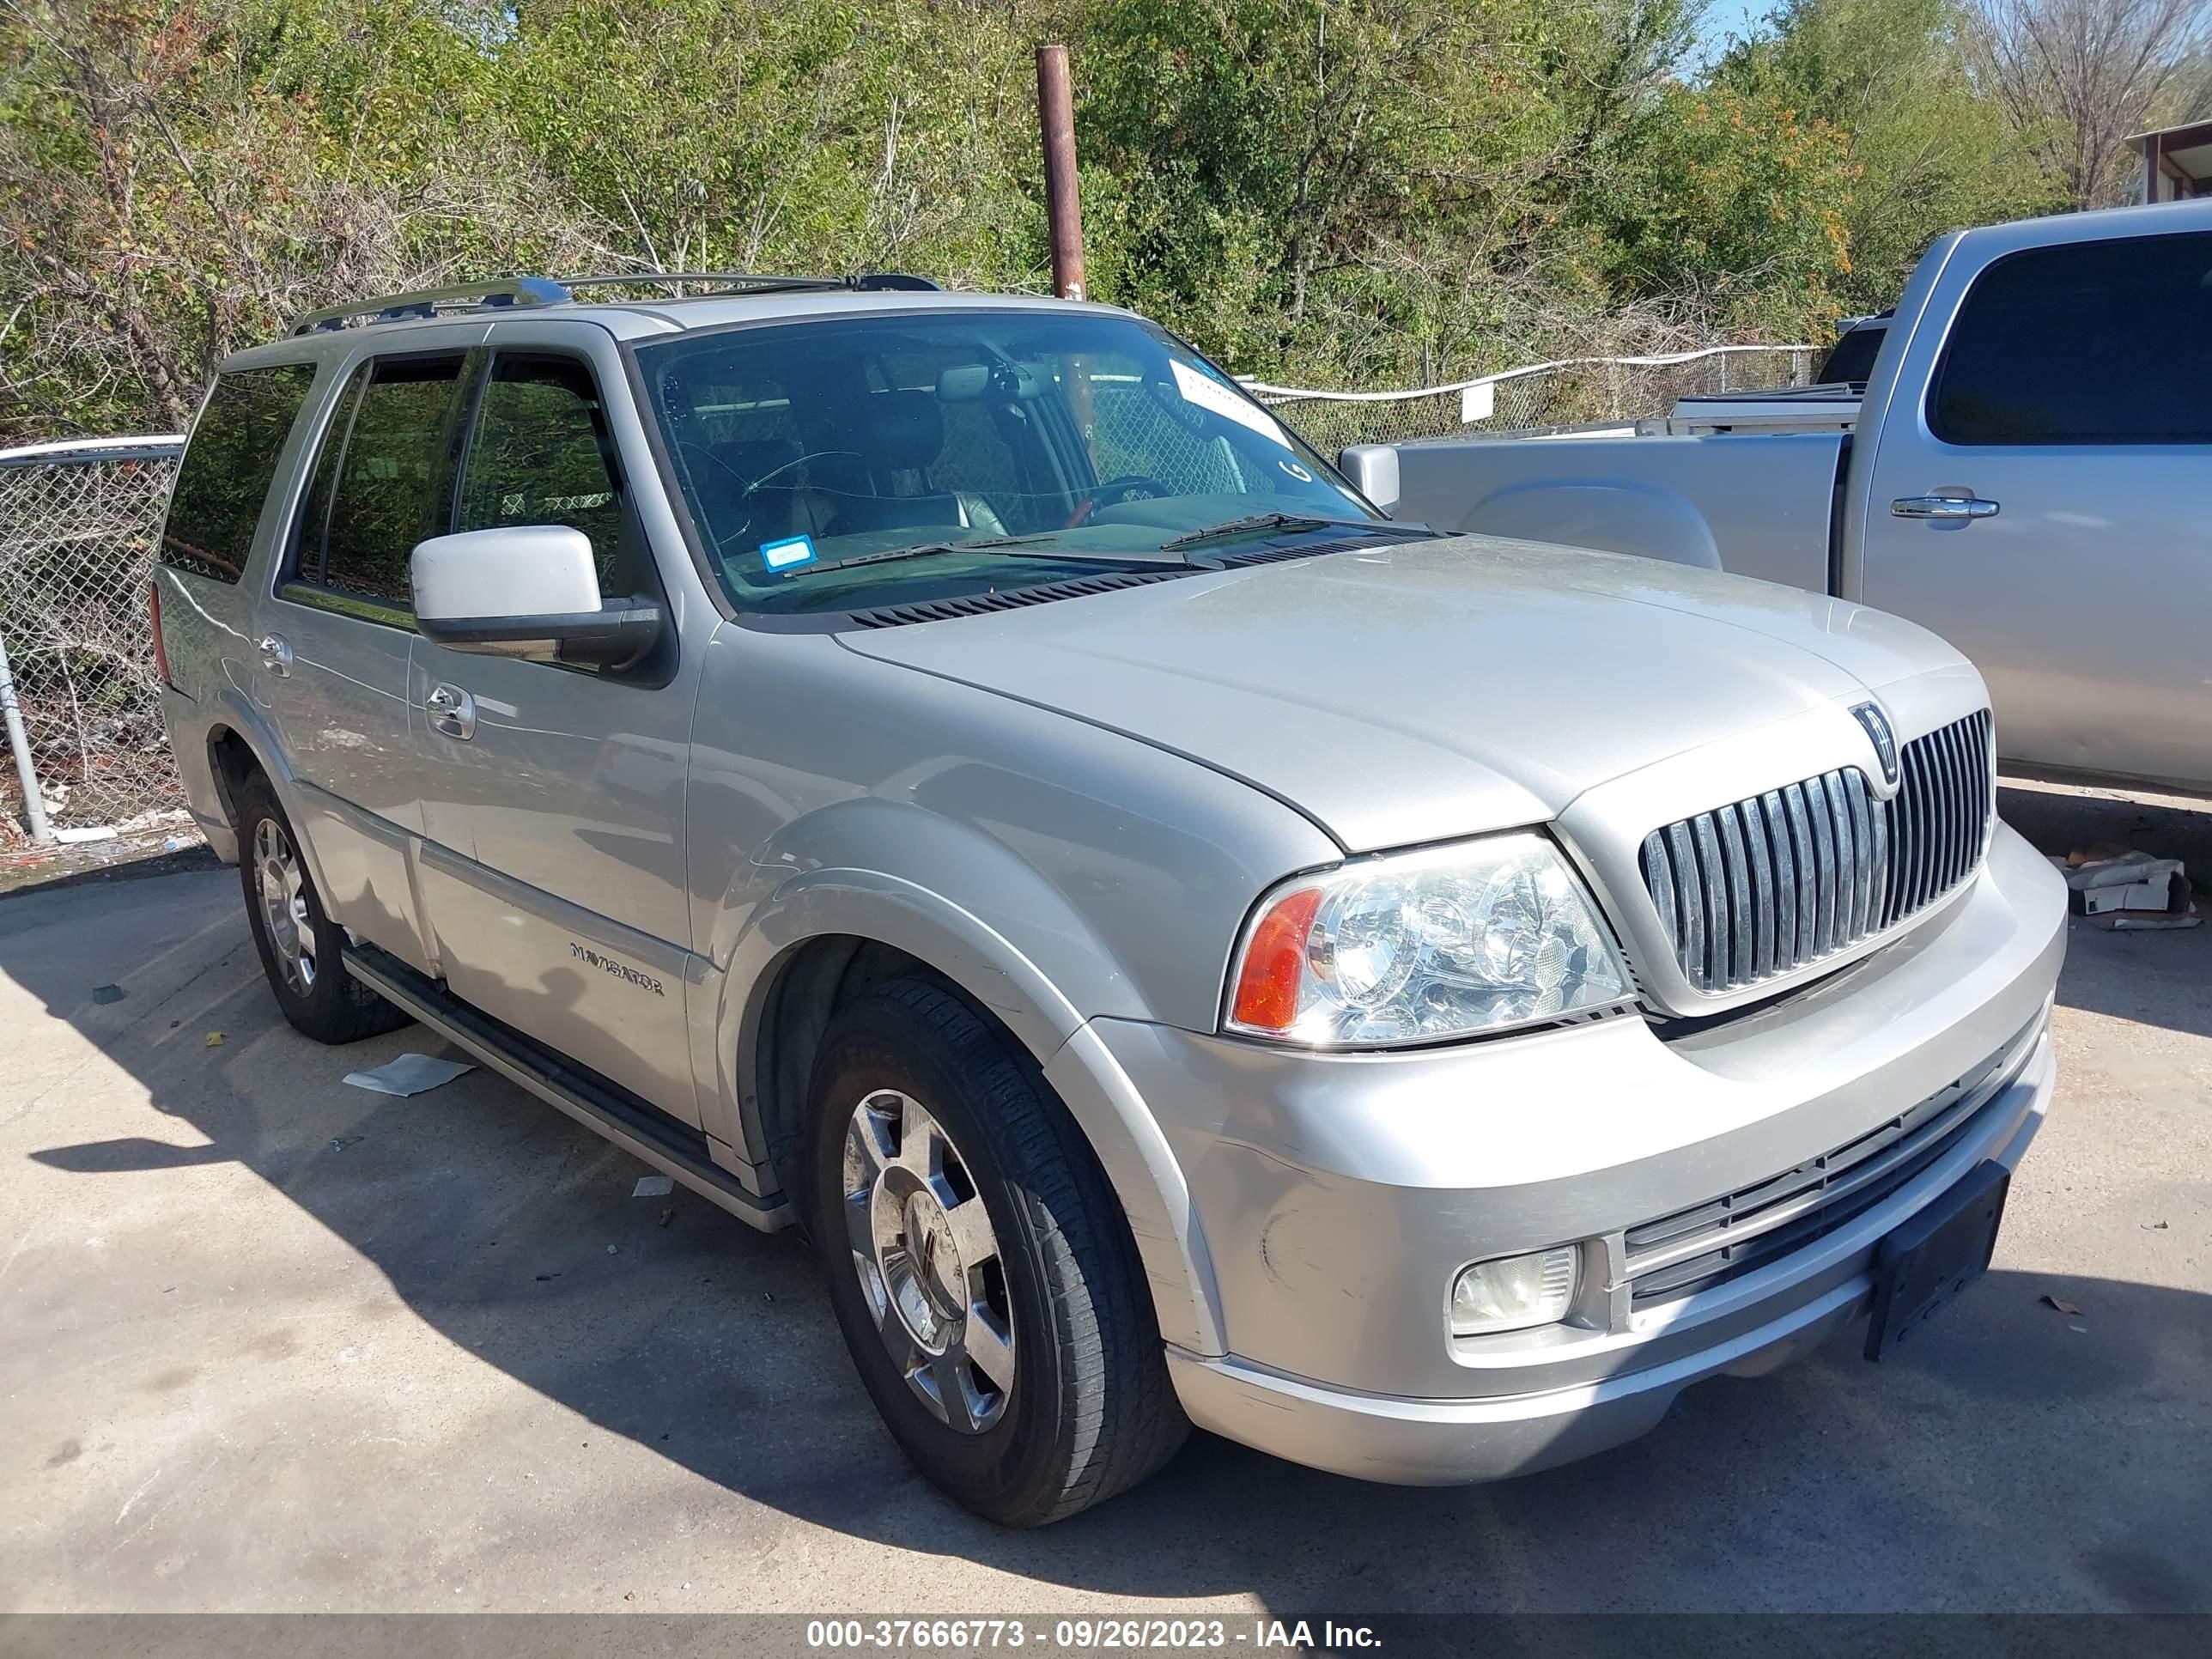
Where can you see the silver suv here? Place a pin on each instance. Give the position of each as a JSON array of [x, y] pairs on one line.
[[954, 772]]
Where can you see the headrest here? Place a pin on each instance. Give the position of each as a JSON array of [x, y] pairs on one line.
[[907, 426]]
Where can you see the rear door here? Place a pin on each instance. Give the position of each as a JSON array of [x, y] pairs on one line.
[[553, 868], [2047, 504], [336, 631]]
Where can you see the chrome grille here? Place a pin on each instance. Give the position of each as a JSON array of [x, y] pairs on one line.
[[1763, 886]]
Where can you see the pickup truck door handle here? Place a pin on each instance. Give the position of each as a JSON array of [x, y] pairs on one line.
[[275, 653], [452, 710], [1948, 507]]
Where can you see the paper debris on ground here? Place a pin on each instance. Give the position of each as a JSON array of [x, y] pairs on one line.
[[2060, 1304], [214, 1039], [653, 1187], [409, 1074], [2125, 889]]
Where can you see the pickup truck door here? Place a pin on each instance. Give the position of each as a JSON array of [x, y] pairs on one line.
[[553, 863], [2040, 493]]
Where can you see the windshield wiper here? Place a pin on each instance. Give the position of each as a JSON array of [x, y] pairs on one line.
[[981, 545], [1284, 521]]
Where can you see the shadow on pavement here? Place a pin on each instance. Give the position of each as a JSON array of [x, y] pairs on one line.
[[2011, 1451]]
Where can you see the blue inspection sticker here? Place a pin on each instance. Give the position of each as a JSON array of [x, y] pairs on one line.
[[788, 554]]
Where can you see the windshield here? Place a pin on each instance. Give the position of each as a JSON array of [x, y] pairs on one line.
[[815, 455]]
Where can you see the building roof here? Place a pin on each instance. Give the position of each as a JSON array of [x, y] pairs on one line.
[[2177, 161]]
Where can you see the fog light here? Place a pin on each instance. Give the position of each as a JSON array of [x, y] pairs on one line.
[[1516, 1293]]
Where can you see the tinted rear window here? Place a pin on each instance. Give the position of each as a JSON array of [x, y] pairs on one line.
[[227, 468], [2088, 342], [1850, 361]]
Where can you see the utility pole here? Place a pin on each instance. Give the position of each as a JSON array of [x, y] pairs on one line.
[[1063, 208]]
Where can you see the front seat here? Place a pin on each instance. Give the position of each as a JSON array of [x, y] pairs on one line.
[[905, 437]]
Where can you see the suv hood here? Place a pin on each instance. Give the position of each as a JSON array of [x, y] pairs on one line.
[[1434, 688]]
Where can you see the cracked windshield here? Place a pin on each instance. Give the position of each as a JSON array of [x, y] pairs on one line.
[[911, 457]]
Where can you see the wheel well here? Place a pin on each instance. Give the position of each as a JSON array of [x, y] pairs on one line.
[[816, 980], [232, 763]]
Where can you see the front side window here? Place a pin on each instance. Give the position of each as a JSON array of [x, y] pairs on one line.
[[228, 466], [541, 454], [857, 461], [2084, 343], [375, 492]]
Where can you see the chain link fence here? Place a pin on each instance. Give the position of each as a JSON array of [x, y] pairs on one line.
[[77, 525], [1574, 392]]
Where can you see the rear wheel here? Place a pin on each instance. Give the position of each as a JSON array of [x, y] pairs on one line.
[[979, 1266], [300, 945]]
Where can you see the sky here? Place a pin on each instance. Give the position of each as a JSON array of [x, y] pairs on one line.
[[1725, 17]]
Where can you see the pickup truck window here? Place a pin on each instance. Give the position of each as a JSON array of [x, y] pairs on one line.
[[227, 467], [2082, 342], [1091, 440]]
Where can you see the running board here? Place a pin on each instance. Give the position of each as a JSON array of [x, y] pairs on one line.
[[635, 1125]]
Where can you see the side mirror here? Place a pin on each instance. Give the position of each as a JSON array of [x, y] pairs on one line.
[[530, 591], [1373, 471]]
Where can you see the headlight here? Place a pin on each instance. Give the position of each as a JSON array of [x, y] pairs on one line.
[[1421, 947]]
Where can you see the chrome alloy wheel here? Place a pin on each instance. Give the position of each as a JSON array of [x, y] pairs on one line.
[[928, 1261], [283, 888]]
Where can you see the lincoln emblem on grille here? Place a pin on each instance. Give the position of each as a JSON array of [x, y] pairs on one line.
[[1884, 743]]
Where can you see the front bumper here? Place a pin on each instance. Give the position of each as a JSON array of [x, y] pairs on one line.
[[1337, 1196], [1447, 1442]]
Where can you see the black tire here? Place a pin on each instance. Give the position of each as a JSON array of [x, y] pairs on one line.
[[1090, 1411], [333, 1006]]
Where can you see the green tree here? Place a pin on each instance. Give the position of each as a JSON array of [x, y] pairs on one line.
[[1928, 149]]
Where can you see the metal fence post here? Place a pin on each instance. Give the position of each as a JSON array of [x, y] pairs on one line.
[[34, 804]]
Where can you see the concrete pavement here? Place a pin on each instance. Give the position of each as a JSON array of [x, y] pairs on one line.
[[269, 1342]]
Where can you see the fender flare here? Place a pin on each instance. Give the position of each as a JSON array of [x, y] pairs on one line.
[[245, 720], [848, 899]]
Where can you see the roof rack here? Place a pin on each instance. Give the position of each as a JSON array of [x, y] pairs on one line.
[[518, 292]]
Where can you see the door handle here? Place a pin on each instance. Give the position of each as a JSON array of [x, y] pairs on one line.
[[275, 653], [1947, 508], [452, 710]]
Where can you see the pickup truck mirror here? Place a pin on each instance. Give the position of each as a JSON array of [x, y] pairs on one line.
[[532, 592], [1373, 470]]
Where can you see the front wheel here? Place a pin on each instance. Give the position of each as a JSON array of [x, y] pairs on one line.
[[298, 942], [980, 1268]]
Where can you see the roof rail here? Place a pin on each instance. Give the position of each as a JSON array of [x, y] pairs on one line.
[[512, 292]]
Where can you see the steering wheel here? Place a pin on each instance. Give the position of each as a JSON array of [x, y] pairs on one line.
[[1114, 490]]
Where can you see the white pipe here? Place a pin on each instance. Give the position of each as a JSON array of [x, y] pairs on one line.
[[34, 804], [1261, 388], [91, 449]]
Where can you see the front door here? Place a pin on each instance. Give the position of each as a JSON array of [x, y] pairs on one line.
[[2046, 508], [553, 795]]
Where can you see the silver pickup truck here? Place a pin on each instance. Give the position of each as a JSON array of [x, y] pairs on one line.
[[2027, 471], [951, 772]]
